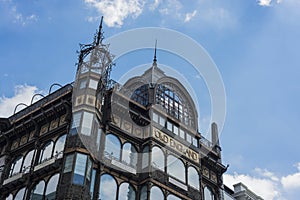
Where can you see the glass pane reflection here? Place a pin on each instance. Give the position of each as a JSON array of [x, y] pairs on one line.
[[156, 194], [37, 193], [126, 192], [208, 195], [20, 194], [51, 187], [143, 193], [158, 158], [27, 162], [193, 177], [108, 187], [59, 146], [176, 168], [129, 155], [10, 197], [46, 153], [16, 166], [172, 197], [112, 147]]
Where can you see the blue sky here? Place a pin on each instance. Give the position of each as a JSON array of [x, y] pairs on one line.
[[255, 45]]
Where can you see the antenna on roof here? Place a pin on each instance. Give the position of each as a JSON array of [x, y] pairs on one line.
[[99, 36]]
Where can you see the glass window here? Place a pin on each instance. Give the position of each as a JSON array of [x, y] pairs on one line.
[[169, 100], [126, 192], [140, 95], [46, 152], [27, 162], [158, 158], [93, 84], [162, 121], [38, 191], [93, 183], [107, 181], [112, 147], [82, 84], [155, 117], [51, 187], [75, 123], [169, 126], [193, 177], [87, 123], [175, 130], [144, 193], [195, 142], [181, 133], [59, 146], [188, 138], [129, 155], [69, 163], [16, 166], [156, 193], [10, 197], [80, 167], [98, 142], [208, 194], [176, 168], [145, 160], [173, 197], [89, 169], [20, 194]]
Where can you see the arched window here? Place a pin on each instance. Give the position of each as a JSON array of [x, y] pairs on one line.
[[140, 95], [27, 162], [129, 154], [112, 147], [108, 187], [193, 177], [20, 195], [172, 197], [10, 197], [143, 195], [169, 100], [16, 166], [158, 158], [176, 168], [51, 187], [126, 192], [38, 191], [208, 194], [46, 152], [59, 146], [156, 193]]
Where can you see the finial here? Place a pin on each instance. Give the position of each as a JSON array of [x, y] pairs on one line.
[[154, 60], [99, 36]]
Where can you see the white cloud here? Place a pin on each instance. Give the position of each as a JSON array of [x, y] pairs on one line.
[[263, 187], [153, 6], [20, 18], [23, 94], [292, 181], [218, 17], [267, 184], [267, 174], [264, 2], [171, 8], [189, 16], [116, 11]]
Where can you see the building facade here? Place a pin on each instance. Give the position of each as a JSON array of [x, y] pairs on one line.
[[97, 139]]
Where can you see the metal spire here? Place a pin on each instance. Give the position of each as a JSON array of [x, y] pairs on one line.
[[99, 36], [154, 59]]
